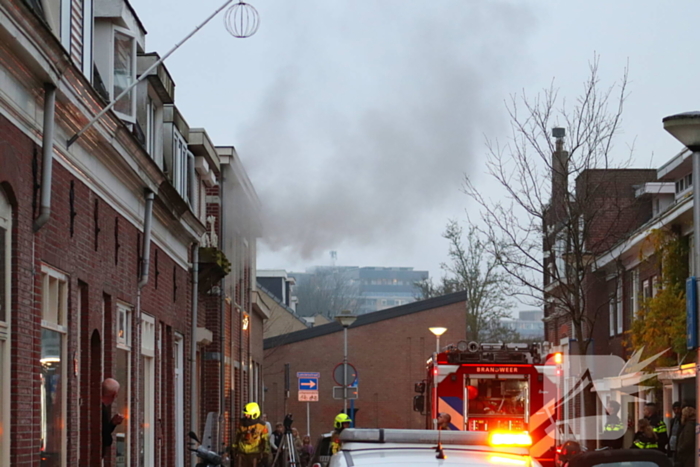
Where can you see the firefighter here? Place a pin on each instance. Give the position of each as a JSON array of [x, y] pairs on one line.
[[568, 450], [342, 421], [657, 424], [251, 438], [614, 430]]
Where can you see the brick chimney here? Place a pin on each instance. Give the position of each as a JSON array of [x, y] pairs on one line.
[[560, 175]]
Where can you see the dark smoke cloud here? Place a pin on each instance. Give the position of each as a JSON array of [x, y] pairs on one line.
[[378, 112]]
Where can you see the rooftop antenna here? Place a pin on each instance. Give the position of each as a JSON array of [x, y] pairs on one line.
[[242, 20]]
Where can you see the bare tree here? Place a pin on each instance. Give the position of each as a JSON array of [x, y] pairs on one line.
[[568, 202], [327, 291], [487, 287]]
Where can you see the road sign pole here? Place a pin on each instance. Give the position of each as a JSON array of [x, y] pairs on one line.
[[345, 371], [308, 420]]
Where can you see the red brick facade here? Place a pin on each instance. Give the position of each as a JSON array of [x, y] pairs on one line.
[[101, 259]]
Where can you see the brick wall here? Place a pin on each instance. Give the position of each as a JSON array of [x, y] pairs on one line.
[[389, 355], [101, 258]]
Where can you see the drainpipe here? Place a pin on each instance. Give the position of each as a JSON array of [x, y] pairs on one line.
[[193, 342], [47, 156], [222, 329], [145, 263], [147, 220]]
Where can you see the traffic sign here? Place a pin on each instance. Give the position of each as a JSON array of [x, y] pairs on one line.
[[308, 396], [350, 378], [338, 392], [308, 384], [308, 374]]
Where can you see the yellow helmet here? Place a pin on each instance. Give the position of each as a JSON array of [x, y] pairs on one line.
[[340, 419], [252, 409]]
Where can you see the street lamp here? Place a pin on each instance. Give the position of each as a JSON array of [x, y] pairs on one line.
[[345, 318], [685, 127], [437, 331]]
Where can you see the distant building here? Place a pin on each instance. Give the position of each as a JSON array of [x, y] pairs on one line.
[[280, 285], [282, 319], [382, 288], [361, 289], [528, 325]]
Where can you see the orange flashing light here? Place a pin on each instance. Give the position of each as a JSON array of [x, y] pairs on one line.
[[509, 460], [558, 358], [510, 439]]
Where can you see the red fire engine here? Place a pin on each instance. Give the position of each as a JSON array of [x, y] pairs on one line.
[[495, 387]]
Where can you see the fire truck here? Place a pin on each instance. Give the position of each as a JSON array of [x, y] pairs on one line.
[[495, 387]]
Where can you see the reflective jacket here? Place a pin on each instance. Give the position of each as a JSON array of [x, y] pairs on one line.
[[251, 437], [660, 429], [336, 444], [613, 433], [641, 441]]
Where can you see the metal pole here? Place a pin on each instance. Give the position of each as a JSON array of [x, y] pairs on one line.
[[437, 347], [696, 269], [308, 420], [345, 371], [435, 394], [144, 75]]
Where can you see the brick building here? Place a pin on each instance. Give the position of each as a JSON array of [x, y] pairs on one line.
[[110, 259], [581, 223], [388, 348]]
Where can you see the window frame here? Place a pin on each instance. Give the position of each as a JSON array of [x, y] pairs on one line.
[[88, 38], [148, 397], [635, 290], [618, 305], [124, 344], [60, 326], [132, 93], [6, 330]]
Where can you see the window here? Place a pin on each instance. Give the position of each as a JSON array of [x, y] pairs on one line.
[[87, 38], [634, 293], [5, 289], [148, 353], [54, 310], [618, 305], [684, 183], [183, 168], [124, 72], [122, 373], [612, 316], [646, 289], [57, 15], [560, 264], [151, 127], [179, 375]]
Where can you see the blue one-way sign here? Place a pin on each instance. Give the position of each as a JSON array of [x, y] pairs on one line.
[[308, 384]]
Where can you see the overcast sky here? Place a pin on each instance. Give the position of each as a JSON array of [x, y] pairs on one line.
[[356, 121]]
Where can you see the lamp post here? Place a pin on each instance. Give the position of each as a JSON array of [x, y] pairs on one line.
[[345, 318], [437, 331], [685, 127]]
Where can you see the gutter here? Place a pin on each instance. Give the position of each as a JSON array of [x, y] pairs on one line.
[[47, 156], [147, 221], [145, 263], [193, 341]]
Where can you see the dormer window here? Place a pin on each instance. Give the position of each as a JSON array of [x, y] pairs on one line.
[[124, 72], [57, 15]]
